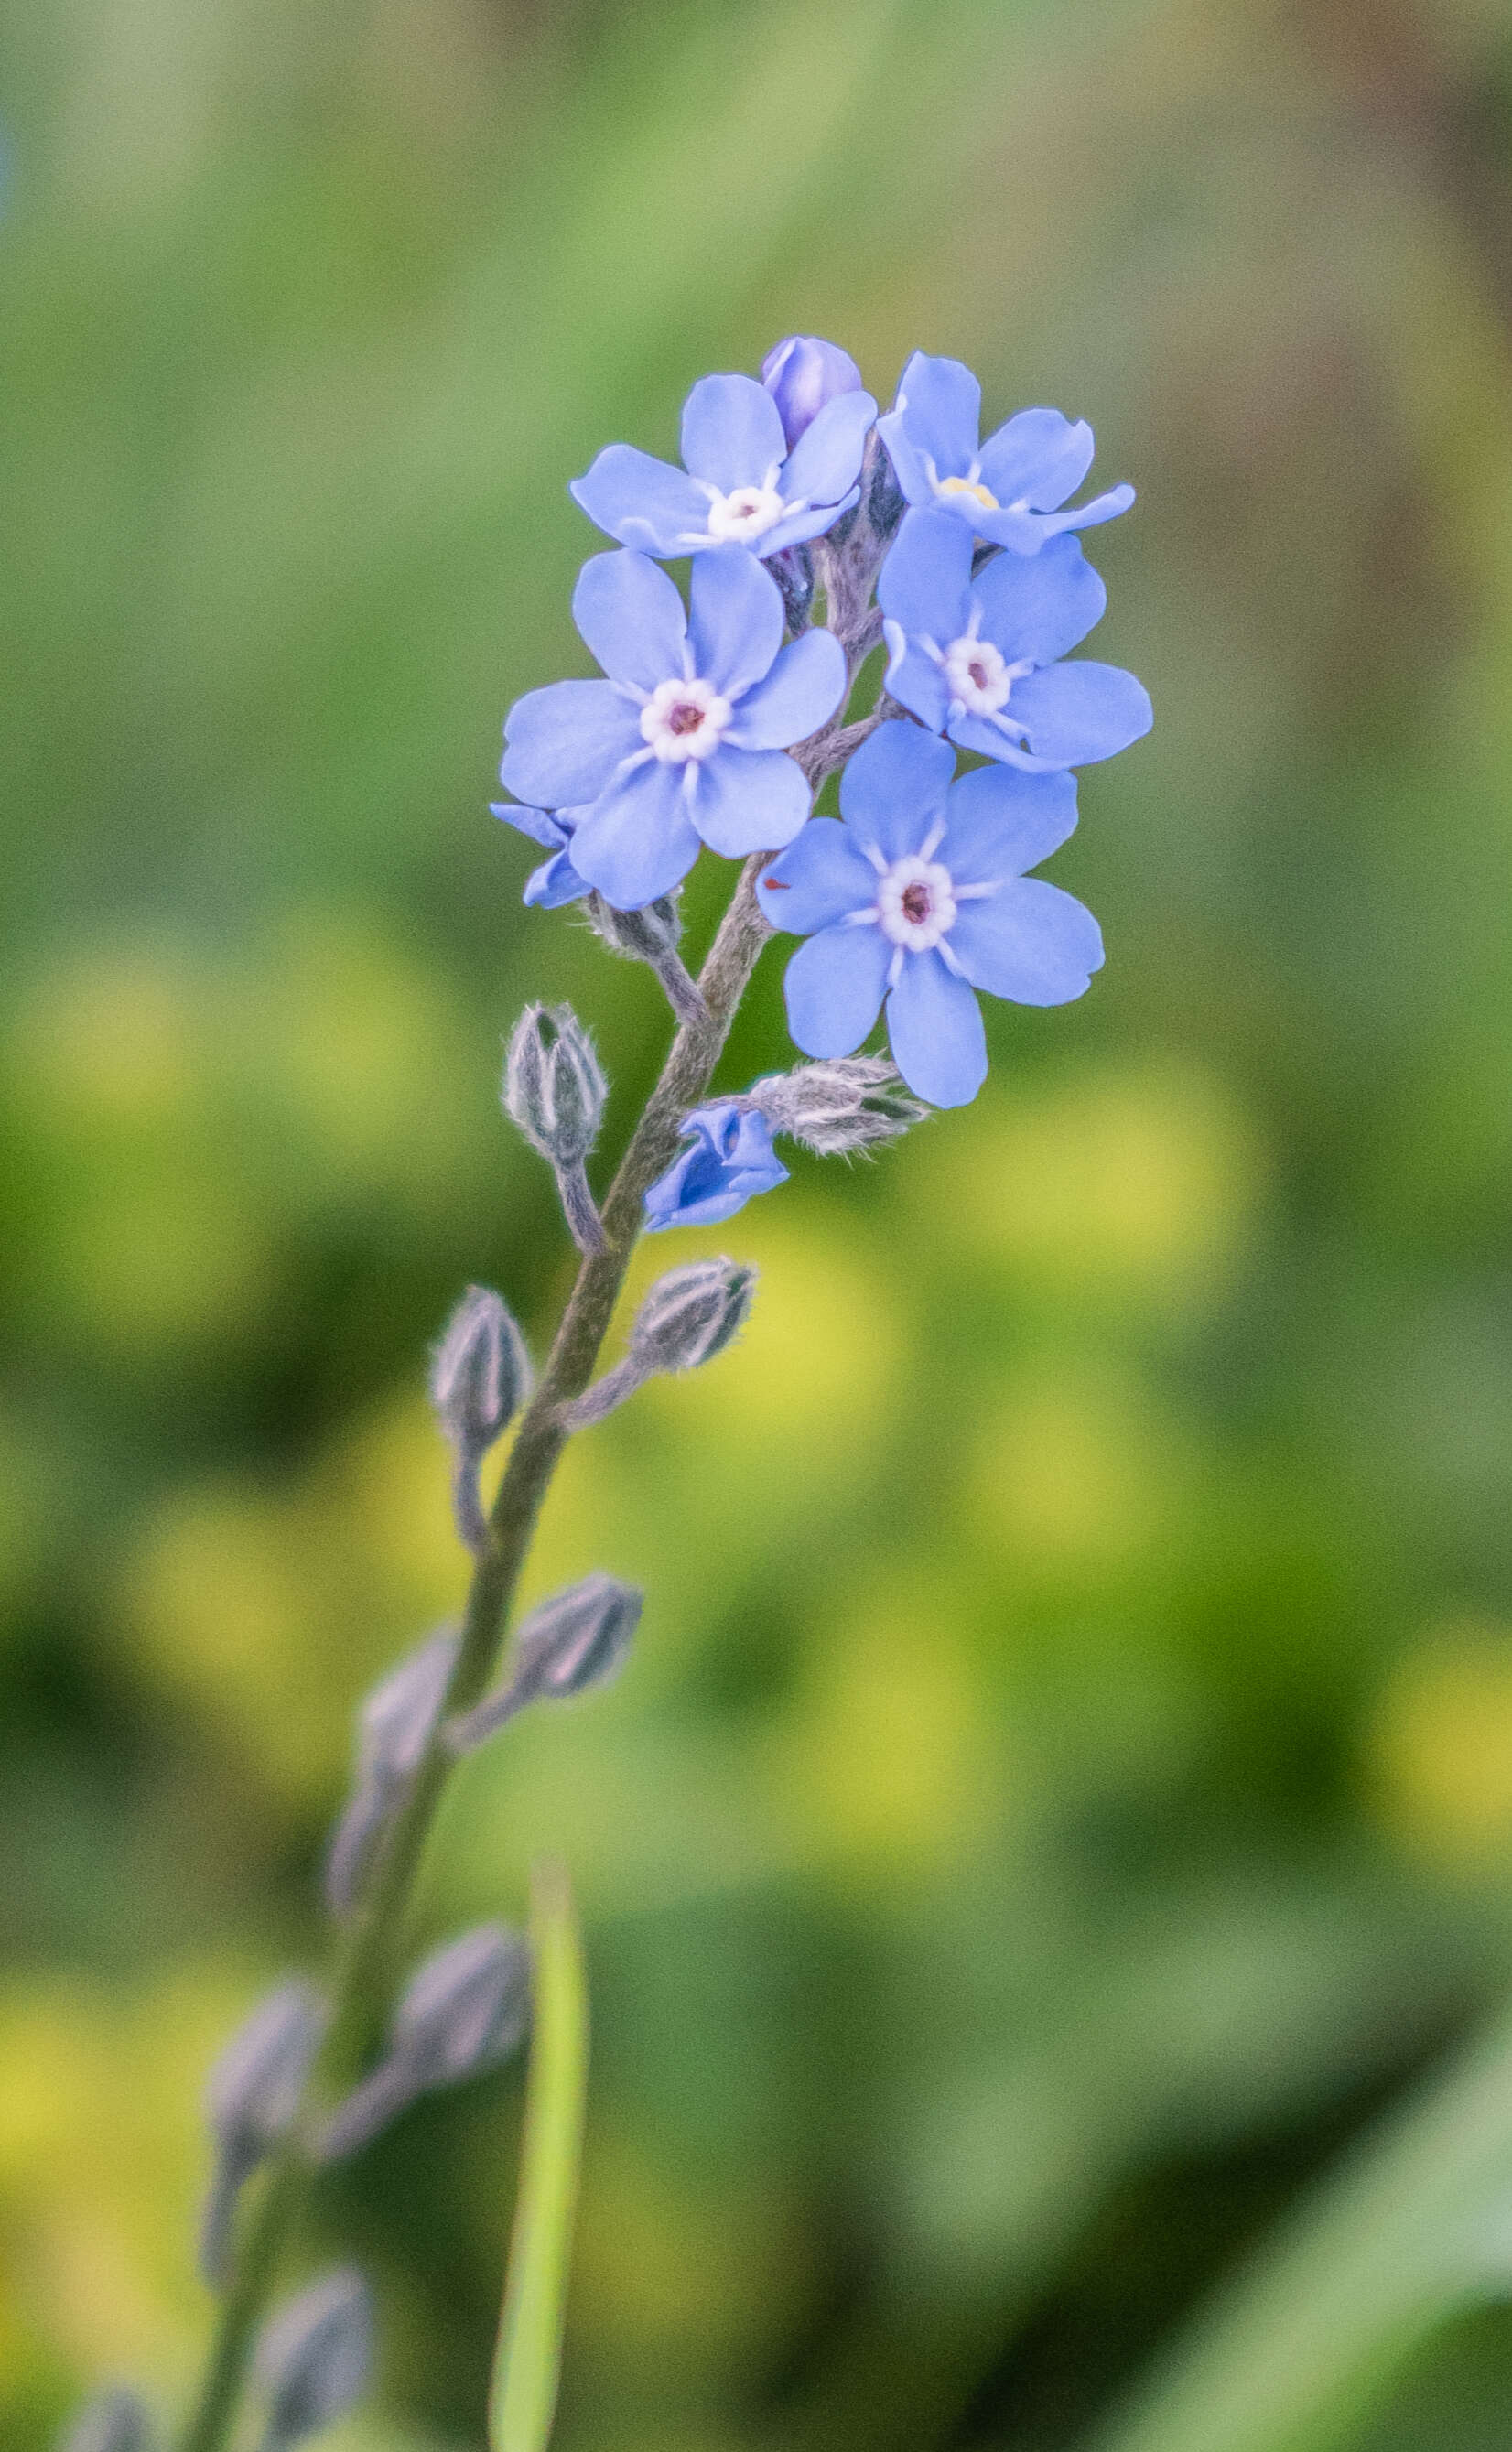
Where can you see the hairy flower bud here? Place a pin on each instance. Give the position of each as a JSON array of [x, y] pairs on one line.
[[480, 1374], [839, 1105], [554, 1088], [314, 2356], [691, 1314], [113, 2421], [251, 2098], [462, 2011], [802, 374], [393, 1727], [651, 935], [577, 1639]]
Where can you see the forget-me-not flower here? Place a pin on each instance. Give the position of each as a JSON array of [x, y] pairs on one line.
[[729, 1159], [1009, 489], [980, 657], [556, 881], [743, 485], [917, 895], [686, 740]]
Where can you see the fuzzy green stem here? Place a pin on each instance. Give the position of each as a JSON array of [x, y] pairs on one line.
[[362, 1980]]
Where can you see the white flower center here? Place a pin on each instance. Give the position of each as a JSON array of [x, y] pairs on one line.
[[916, 902], [977, 675], [750, 511], [683, 720]]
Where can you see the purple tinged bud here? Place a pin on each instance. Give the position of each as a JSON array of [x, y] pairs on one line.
[[113, 2421], [394, 1728], [464, 2011], [479, 1373], [397, 1720], [313, 2357], [691, 1314], [839, 1105], [554, 1089], [577, 1639], [251, 2100], [254, 2087], [804, 374]]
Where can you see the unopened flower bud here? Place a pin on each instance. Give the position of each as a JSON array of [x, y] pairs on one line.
[[462, 2011], [480, 1374], [839, 1105], [651, 935], [394, 1728], [314, 2356], [577, 1639], [691, 1314], [113, 2421], [554, 1089], [802, 374], [251, 2098]]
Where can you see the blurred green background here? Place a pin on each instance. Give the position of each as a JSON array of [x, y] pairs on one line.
[[1063, 1787]]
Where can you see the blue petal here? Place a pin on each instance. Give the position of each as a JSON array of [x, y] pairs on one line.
[[1075, 713], [553, 883], [1026, 531], [802, 691], [750, 799], [541, 825], [834, 989], [565, 741], [1038, 458], [641, 500], [1029, 941], [934, 1029], [925, 579], [1039, 607], [736, 623], [894, 788], [730, 1158], [804, 524], [936, 418], [820, 877], [825, 462], [915, 680], [631, 616], [1001, 822], [732, 432], [638, 842]]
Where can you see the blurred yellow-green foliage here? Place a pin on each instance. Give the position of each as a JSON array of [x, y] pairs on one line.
[[1064, 1782]]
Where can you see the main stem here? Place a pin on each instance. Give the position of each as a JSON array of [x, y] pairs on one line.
[[372, 1940]]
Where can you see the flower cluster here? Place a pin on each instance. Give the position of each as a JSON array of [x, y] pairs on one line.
[[716, 722]]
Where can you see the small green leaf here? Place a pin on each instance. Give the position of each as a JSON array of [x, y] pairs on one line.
[[527, 2364]]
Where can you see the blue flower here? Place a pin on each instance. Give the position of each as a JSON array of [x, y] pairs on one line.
[[556, 881], [729, 1159], [743, 485], [804, 375], [916, 892], [979, 657], [1009, 489], [685, 741]]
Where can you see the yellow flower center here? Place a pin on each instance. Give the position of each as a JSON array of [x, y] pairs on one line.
[[964, 485]]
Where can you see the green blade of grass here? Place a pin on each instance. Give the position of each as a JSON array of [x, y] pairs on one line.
[[522, 2400], [1415, 2225]]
